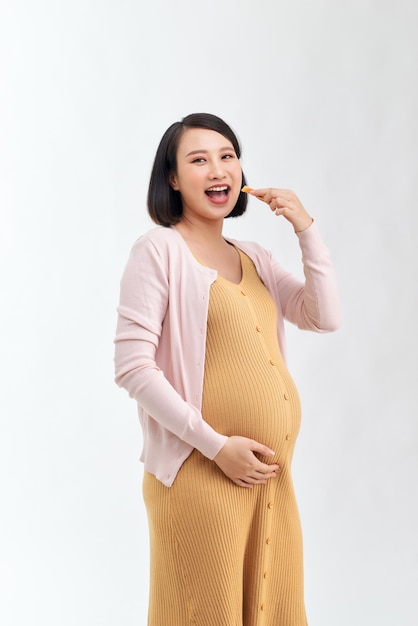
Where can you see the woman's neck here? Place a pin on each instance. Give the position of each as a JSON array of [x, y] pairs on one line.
[[207, 234], [211, 249]]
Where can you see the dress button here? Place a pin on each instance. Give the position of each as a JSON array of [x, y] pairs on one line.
[[268, 541], [243, 292], [262, 607], [270, 505], [265, 575], [288, 437], [258, 329], [272, 362], [286, 396]]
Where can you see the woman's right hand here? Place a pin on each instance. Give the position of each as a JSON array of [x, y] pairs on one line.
[[237, 461]]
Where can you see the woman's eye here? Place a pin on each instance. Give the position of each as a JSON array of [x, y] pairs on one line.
[[198, 160], [228, 156]]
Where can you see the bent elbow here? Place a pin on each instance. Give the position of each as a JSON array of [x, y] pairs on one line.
[[330, 328], [330, 323]]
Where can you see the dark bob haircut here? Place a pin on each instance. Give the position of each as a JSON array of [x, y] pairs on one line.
[[164, 203]]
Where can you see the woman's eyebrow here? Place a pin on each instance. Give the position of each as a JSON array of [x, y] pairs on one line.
[[206, 151]]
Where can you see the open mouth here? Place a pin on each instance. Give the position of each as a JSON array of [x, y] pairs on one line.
[[218, 192]]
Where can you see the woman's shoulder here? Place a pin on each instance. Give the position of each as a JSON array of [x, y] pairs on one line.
[[160, 238], [158, 234]]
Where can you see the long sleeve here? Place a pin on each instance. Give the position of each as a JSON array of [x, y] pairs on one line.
[[144, 303], [313, 304]]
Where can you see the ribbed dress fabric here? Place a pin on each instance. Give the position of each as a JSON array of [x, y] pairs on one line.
[[224, 555]]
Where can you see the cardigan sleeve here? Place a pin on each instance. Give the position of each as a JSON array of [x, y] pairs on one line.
[[141, 312], [313, 304]]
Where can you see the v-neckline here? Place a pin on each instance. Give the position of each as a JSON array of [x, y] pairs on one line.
[[231, 282], [208, 267], [219, 275]]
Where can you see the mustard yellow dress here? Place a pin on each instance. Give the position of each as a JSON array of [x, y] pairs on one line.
[[223, 555]]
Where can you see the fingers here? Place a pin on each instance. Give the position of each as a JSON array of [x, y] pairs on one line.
[[258, 478], [271, 193], [258, 473], [286, 203], [278, 198], [238, 460], [263, 450], [262, 472], [281, 201], [242, 483], [250, 481], [259, 469], [256, 446]]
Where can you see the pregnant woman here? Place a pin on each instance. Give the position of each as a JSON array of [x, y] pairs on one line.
[[200, 347]]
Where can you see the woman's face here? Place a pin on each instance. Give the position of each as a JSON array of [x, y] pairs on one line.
[[208, 176]]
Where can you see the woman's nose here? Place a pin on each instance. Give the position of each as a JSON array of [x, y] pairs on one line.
[[216, 170]]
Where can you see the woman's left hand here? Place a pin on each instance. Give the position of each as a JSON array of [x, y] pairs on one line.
[[285, 202]]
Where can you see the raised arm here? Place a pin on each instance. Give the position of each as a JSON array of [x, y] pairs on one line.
[[313, 304]]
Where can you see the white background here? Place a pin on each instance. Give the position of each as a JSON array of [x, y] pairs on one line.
[[323, 95]]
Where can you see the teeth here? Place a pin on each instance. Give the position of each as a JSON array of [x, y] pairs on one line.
[[218, 189]]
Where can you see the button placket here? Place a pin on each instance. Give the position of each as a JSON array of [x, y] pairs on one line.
[[268, 539], [288, 409]]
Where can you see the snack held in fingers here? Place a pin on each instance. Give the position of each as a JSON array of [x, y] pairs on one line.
[[247, 189]]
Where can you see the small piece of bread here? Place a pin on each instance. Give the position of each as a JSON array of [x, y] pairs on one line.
[[246, 189]]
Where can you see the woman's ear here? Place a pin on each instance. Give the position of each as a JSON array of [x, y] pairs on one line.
[[173, 182]]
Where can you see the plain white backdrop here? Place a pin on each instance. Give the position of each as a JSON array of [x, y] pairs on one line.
[[323, 96]]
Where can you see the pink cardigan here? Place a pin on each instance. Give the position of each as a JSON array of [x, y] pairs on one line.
[[161, 335]]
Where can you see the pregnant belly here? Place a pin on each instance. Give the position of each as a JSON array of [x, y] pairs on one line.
[[265, 407]]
